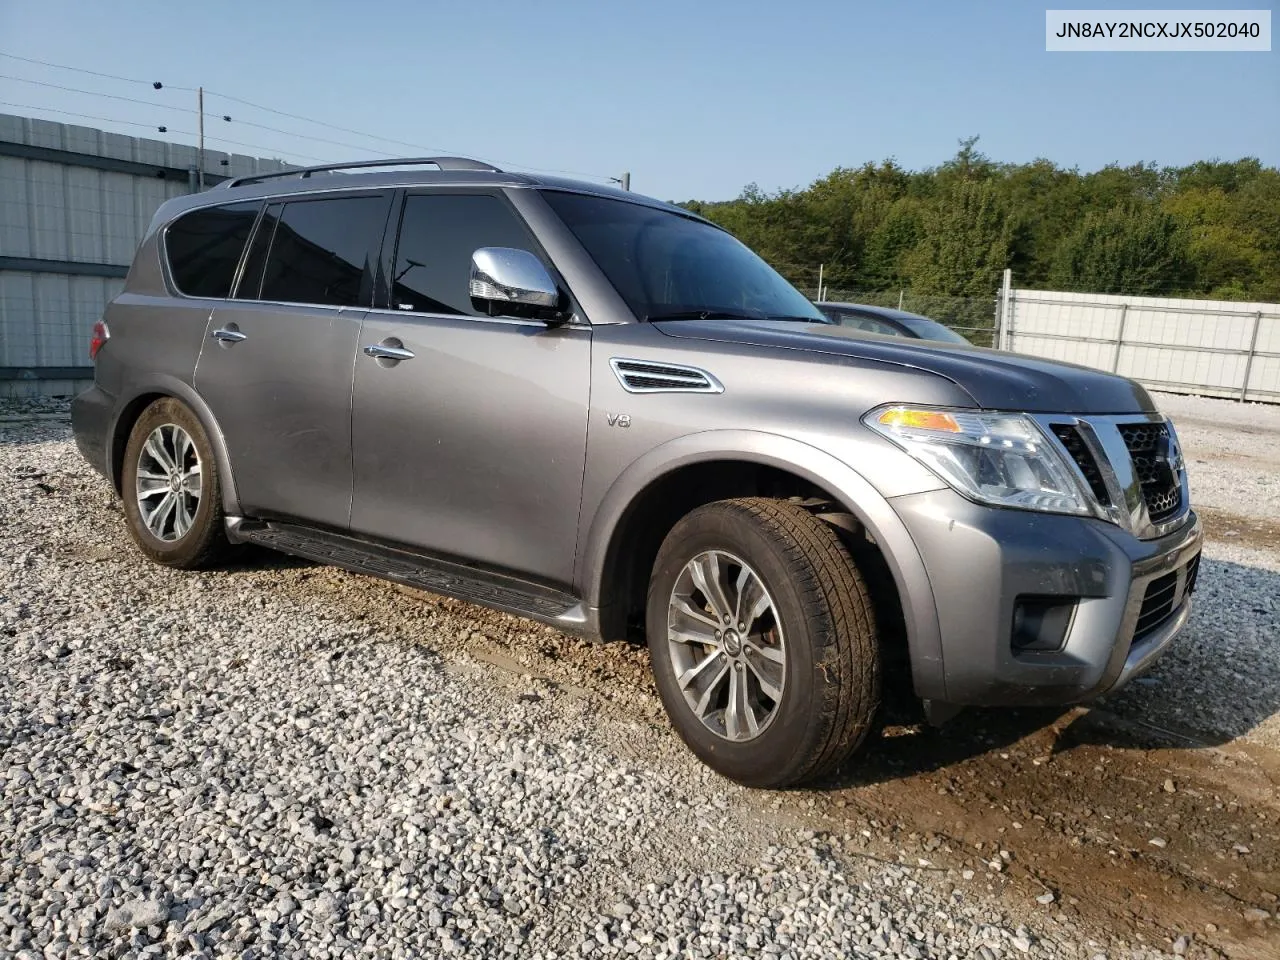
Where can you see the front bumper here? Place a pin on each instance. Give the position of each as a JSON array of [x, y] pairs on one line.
[[985, 564]]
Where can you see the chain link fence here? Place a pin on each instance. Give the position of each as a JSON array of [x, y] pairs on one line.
[[972, 317]]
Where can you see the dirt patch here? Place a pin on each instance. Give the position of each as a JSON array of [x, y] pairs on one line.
[[1148, 839], [1073, 797], [1261, 533]]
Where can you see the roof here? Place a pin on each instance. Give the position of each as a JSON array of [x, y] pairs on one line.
[[454, 171]]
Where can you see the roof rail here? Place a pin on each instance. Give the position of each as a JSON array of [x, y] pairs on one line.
[[302, 173]]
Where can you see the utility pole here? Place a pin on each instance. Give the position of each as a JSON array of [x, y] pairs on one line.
[[1004, 316], [820, 266], [200, 158]]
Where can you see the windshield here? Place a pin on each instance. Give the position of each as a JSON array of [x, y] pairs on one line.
[[932, 330], [668, 266]]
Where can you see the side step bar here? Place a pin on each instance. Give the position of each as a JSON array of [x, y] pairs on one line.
[[422, 571]]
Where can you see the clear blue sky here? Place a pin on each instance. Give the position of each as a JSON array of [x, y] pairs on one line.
[[695, 97]]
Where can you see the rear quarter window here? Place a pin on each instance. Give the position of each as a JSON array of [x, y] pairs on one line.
[[204, 247]]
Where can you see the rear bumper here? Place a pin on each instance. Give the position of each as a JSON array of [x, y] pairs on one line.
[[985, 564], [92, 413]]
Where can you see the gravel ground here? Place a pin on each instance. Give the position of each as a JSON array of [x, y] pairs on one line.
[[1221, 677], [285, 760], [1232, 451]]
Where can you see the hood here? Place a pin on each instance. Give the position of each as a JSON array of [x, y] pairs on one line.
[[995, 379]]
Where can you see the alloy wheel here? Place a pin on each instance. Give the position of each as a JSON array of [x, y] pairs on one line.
[[726, 645], [169, 482]]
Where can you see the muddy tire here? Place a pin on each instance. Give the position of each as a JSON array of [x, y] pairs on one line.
[[170, 488], [763, 642]]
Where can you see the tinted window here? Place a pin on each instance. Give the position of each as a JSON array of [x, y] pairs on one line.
[[250, 286], [323, 251], [204, 247], [438, 235], [932, 330], [870, 324], [663, 263]]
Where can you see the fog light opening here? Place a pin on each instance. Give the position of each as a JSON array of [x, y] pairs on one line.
[[1040, 624]]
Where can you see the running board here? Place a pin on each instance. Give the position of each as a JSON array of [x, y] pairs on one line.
[[433, 574]]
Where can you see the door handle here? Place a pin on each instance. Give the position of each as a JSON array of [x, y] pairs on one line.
[[384, 351], [228, 335]]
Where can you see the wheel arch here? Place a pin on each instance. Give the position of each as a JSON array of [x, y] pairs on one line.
[[141, 397], [627, 525]]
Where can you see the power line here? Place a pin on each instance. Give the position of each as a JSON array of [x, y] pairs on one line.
[[371, 136], [263, 107], [152, 126], [94, 73], [146, 103], [319, 123], [94, 93], [304, 136]]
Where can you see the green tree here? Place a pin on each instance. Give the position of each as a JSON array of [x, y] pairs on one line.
[[1133, 249], [886, 255], [1210, 228], [967, 241], [1225, 253]]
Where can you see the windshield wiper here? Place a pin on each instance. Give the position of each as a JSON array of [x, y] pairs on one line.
[[703, 315]]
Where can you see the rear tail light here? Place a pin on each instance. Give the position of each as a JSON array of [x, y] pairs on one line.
[[100, 336]]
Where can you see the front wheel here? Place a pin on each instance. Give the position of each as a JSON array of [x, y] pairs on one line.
[[763, 641]]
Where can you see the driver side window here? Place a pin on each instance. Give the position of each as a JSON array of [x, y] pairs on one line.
[[438, 234]]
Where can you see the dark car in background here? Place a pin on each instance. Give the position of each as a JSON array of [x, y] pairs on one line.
[[887, 321]]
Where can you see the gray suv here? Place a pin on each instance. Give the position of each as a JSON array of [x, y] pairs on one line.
[[606, 414]]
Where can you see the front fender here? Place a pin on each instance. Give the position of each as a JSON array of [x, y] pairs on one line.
[[853, 491], [165, 385]]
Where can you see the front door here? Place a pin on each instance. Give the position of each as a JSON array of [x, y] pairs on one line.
[[276, 366], [468, 431]]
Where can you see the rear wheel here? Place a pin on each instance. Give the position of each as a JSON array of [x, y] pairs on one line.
[[763, 641], [172, 497]]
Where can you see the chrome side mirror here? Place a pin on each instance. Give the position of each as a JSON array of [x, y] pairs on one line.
[[513, 282]]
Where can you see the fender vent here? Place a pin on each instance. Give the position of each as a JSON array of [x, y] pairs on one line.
[[641, 376]]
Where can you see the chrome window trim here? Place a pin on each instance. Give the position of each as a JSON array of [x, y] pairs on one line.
[[290, 303], [574, 323]]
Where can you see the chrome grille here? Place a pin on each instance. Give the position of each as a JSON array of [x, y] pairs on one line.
[[1153, 454], [1162, 598], [1157, 604], [1080, 453]]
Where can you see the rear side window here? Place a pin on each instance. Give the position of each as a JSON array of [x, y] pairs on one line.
[[321, 251], [250, 286], [438, 235], [204, 247]]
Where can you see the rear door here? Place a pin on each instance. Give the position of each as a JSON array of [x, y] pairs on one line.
[[473, 444], [277, 364]]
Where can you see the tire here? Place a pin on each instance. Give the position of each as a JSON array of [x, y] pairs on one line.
[[815, 646], [191, 535]]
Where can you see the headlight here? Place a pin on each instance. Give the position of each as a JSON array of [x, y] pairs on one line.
[[1003, 459]]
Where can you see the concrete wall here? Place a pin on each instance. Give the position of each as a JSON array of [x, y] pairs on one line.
[[1207, 347], [74, 203]]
